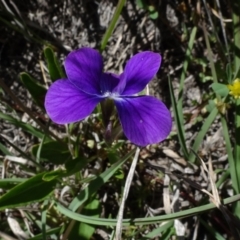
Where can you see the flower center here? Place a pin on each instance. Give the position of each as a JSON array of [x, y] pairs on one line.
[[111, 95]]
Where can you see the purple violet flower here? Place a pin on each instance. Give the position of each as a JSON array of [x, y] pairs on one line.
[[144, 119]]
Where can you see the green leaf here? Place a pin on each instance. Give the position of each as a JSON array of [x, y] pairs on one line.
[[151, 8], [141, 3], [205, 78], [8, 183], [211, 105], [36, 90], [112, 155], [75, 165], [83, 230], [50, 176], [48, 232], [220, 89], [72, 167], [54, 67], [153, 15], [119, 174], [54, 152], [32, 190]]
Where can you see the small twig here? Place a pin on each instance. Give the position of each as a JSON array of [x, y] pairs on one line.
[[125, 195]]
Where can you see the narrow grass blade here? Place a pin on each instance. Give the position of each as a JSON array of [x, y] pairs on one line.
[[44, 219], [143, 221], [202, 133], [22, 153], [212, 230], [180, 126], [156, 232], [183, 75], [232, 163], [4, 150], [236, 34], [112, 24], [237, 146], [25, 126]]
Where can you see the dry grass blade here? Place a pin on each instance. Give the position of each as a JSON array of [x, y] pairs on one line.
[[17, 159], [170, 153], [232, 221], [213, 185], [125, 195], [5, 236], [16, 228], [166, 195]]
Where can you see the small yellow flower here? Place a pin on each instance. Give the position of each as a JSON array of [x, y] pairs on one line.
[[234, 88]]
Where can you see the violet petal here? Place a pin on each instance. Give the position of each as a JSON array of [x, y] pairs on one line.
[[108, 82], [145, 120], [138, 72], [65, 103], [84, 68]]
